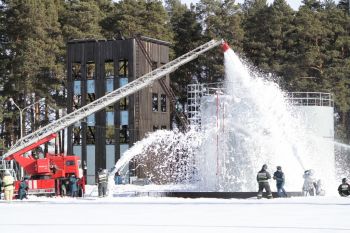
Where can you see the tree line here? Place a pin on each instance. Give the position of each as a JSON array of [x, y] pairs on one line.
[[306, 49]]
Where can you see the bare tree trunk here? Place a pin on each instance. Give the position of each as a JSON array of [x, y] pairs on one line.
[[58, 139], [46, 117], [63, 131]]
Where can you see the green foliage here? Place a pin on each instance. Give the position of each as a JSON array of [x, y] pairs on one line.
[[80, 19], [308, 49], [132, 17], [187, 36], [34, 47], [220, 19], [255, 40]]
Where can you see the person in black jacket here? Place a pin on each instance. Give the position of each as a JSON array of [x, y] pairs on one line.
[[280, 180], [23, 189], [344, 188], [263, 181]]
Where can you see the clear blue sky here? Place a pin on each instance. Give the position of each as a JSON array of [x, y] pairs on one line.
[[293, 3]]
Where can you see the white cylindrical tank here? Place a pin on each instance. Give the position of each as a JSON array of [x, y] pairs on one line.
[[238, 140], [316, 111]]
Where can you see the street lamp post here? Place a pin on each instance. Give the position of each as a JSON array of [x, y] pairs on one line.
[[21, 110]]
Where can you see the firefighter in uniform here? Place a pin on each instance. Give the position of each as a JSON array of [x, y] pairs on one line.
[[8, 183], [310, 185], [263, 181], [344, 188], [102, 182]]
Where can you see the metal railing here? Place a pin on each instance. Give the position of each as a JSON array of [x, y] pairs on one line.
[[7, 166], [196, 91], [311, 99], [4, 165], [194, 95]]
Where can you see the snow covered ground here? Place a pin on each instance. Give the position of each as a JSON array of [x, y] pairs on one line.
[[148, 214]]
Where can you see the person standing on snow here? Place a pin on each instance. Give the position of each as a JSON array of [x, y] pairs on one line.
[[309, 187], [64, 187], [73, 183], [280, 180], [344, 188], [23, 188], [8, 183], [319, 190], [263, 181], [102, 182]]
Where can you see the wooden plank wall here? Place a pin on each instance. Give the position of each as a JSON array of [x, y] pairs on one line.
[[160, 55]]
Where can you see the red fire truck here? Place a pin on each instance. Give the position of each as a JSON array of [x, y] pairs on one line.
[[47, 174]]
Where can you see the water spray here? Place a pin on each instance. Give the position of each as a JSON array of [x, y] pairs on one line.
[[259, 128]]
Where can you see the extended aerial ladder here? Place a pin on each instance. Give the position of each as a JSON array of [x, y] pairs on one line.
[[109, 98]]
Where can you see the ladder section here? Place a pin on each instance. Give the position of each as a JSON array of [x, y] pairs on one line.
[[168, 91], [110, 98]]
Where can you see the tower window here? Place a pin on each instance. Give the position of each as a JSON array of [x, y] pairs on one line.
[[90, 135], [123, 68], [76, 71], [163, 102], [109, 70], [124, 103], [90, 71], [110, 135], [77, 135], [124, 134], [155, 102], [76, 102]]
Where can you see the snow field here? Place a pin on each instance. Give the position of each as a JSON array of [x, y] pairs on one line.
[[146, 214]]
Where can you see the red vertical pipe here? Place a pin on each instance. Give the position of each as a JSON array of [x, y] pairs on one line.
[[217, 133]]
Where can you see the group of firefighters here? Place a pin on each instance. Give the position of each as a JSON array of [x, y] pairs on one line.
[[7, 186], [68, 187], [311, 186]]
